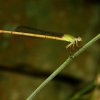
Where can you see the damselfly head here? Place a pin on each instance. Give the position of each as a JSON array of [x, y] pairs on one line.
[[79, 38]]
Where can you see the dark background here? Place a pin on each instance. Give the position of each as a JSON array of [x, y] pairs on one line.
[[26, 61]]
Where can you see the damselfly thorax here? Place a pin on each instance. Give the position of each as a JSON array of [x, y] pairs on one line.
[[74, 43]]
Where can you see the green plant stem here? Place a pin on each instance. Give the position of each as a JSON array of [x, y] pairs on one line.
[[65, 64], [83, 91]]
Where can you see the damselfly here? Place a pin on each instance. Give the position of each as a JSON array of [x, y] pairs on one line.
[[27, 31]]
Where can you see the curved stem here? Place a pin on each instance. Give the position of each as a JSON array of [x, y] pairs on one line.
[[65, 64]]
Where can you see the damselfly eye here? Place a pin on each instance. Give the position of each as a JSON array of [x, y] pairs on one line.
[[79, 39]]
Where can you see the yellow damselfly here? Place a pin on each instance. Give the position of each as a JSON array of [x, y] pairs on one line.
[[27, 31]]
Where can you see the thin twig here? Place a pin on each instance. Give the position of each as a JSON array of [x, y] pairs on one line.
[[65, 64]]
